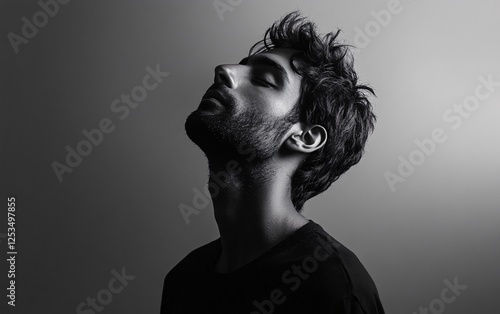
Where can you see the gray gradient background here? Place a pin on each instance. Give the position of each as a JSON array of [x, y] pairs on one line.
[[119, 207]]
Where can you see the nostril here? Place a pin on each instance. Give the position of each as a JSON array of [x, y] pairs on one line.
[[222, 76]]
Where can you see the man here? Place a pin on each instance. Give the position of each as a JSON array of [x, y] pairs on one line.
[[277, 129]]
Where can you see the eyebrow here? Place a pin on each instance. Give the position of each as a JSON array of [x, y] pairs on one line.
[[263, 60]]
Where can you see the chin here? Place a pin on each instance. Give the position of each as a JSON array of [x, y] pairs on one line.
[[196, 127], [214, 135], [205, 131]]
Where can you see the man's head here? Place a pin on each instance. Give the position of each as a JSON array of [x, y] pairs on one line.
[[249, 105], [297, 91]]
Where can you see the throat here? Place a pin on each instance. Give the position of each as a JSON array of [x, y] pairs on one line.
[[251, 225], [253, 210]]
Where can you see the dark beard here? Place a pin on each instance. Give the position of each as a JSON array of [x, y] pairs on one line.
[[222, 136]]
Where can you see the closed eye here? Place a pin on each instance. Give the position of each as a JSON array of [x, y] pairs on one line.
[[263, 77], [265, 83]]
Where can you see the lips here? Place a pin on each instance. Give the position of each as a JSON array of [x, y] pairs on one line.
[[212, 94], [212, 102]]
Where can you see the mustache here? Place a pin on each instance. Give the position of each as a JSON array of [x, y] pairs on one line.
[[218, 87], [220, 92]]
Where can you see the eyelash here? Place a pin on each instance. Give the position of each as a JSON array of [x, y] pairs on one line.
[[264, 82]]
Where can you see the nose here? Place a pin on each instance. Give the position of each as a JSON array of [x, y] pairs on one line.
[[225, 74]]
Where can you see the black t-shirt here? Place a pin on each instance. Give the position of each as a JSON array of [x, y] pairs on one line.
[[309, 273]]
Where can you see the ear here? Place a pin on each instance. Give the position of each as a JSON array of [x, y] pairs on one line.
[[306, 139]]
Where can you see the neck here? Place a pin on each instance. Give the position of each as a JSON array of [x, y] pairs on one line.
[[253, 212]]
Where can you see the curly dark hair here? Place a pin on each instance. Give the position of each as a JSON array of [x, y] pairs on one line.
[[330, 97]]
